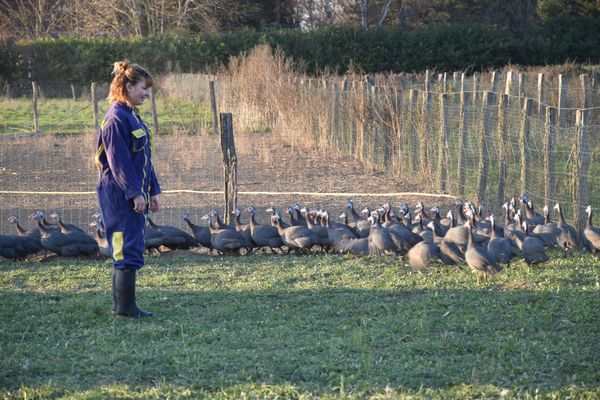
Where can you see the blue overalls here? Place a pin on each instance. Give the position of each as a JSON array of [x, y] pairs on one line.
[[123, 158]]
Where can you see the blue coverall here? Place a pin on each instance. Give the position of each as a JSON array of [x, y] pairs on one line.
[[123, 158]]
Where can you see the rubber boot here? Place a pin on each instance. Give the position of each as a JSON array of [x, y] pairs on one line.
[[125, 292], [114, 293]]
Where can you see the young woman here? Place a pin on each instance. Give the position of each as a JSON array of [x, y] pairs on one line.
[[127, 185]]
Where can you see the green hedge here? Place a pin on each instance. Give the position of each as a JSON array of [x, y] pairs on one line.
[[448, 47]]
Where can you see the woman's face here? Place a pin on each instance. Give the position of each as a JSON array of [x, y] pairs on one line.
[[137, 93]]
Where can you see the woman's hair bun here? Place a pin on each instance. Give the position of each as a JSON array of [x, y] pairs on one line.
[[120, 67]]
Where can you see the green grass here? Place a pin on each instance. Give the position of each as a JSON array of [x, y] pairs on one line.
[[67, 116], [267, 326]]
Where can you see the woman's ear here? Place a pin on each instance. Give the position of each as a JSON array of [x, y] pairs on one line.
[[128, 87]]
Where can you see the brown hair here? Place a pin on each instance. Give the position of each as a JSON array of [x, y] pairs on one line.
[[126, 73]]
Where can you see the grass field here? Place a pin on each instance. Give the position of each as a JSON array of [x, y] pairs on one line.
[[279, 326], [66, 116]]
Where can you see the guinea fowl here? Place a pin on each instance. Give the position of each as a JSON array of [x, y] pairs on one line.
[[420, 212], [441, 225], [479, 259], [14, 247], [272, 211], [357, 246], [567, 238], [264, 235], [295, 237], [174, 238], [321, 232], [352, 227], [226, 240], [100, 237], [461, 218], [363, 226], [532, 247], [201, 233], [421, 254], [216, 220], [293, 220], [336, 232], [590, 233], [299, 217], [34, 244], [64, 228], [448, 252], [239, 226], [459, 235], [530, 214], [548, 226], [71, 244], [502, 249], [383, 241]]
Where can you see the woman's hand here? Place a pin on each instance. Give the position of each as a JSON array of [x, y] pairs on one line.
[[154, 203], [139, 204]]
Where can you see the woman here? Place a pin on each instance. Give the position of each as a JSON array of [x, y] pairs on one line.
[[127, 185]]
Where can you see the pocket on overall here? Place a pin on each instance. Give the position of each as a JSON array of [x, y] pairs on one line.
[[140, 138]]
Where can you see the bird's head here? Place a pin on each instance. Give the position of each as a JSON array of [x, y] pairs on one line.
[[13, 219], [185, 216], [250, 210]]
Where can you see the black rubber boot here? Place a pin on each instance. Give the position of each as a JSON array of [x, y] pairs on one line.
[[125, 292], [114, 293]]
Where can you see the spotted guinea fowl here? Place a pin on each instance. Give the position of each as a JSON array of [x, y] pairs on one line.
[[14, 247], [590, 233], [448, 252], [100, 237], [501, 248], [363, 226], [239, 225], [479, 259], [65, 244], [34, 244], [321, 233], [263, 235], [64, 228], [533, 217], [227, 241], [567, 238], [384, 241], [174, 238], [531, 246], [421, 254], [295, 237], [336, 232], [201, 233]]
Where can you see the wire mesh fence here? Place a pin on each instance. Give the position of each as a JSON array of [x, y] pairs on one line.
[[317, 142]]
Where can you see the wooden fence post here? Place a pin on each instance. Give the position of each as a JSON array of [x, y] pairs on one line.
[[548, 153], [213, 107], [229, 165], [462, 138], [413, 100], [154, 113], [524, 144], [581, 168], [8, 91], [586, 92], [424, 126], [484, 133], [494, 81], [502, 131], [562, 99], [540, 93], [443, 143], [36, 126], [509, 83], [73, 92], [475, 89], [95, 108]]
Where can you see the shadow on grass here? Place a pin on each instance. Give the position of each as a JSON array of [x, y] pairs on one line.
[[315, 340]]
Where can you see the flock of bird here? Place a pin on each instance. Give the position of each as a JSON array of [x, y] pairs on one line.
[[464, 236]]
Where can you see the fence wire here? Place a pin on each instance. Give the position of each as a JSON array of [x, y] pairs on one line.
[[296, 135]]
